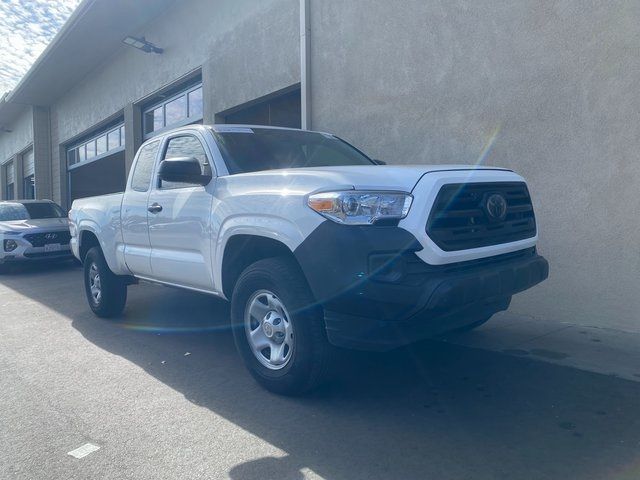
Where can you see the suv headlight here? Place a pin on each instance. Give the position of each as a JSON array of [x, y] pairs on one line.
[[354, 207], [10, 245]]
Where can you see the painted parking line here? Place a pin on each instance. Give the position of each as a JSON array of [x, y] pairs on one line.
[[84, 450]]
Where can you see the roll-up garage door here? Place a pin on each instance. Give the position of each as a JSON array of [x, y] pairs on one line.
[[28, 166], [96, 165]]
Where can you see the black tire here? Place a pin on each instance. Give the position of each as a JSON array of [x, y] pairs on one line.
[[113, 289], [308, 364]]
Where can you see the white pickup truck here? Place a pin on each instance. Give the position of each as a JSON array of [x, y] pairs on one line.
[[314, 243]]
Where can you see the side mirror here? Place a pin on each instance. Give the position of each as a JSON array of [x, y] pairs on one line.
[[183, 170], [379, 162]]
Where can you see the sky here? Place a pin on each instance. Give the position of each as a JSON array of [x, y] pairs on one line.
[[26, 28]]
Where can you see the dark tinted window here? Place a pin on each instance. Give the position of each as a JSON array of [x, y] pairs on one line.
[[24, 211], [250, 150], [186, 146], [144, 167]]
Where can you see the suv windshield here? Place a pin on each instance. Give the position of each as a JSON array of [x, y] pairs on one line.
[[25, 211], [253, 149]]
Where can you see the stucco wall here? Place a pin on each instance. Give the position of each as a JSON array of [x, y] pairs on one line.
[[425, 81], [20, 137], [245, 49], [547, 88]]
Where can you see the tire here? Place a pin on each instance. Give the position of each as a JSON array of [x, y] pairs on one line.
[[110, 296], [294, 321]]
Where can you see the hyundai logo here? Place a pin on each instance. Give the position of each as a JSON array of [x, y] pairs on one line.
[[496, 207], [50, 236]]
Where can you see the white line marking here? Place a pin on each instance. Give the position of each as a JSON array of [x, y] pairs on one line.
[[84, 450]]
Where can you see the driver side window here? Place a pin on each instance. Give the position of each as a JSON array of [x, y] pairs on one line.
[[184, 146]]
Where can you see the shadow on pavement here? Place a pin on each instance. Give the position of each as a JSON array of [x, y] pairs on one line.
[[434, 410]]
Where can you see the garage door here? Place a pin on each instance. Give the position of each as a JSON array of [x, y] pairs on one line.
[[282, 110], [96, 165]]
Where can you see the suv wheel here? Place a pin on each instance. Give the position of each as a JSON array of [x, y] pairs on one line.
[[278, 328], [106, 292]]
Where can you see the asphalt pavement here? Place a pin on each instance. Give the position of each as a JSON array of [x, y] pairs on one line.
[[161, 394]]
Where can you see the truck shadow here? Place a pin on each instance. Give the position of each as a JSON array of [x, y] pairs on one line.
[[434, 410]]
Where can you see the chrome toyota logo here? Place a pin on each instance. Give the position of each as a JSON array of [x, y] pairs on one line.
[[496, 207], [50, 236]]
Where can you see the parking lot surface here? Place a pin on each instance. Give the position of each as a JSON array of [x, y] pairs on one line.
[[162, 394]]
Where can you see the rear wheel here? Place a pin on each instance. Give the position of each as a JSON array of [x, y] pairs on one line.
[[106, 292], [278, 328]]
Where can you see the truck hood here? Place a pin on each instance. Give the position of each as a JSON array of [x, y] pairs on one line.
[[385, 177], [39, 223]]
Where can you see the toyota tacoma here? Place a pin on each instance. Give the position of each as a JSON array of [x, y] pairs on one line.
[[314, 244]]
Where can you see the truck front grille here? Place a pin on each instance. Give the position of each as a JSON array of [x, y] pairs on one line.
[[46, 238], [462, 216]]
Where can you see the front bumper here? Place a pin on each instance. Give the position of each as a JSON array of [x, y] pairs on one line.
[[26, 252], [379, 295]]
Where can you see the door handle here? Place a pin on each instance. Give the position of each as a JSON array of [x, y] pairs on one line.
[[155, 208]]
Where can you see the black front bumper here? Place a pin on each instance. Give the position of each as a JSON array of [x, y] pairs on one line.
[[377, 294]]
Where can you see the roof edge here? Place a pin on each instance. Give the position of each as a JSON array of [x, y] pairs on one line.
[[77, 14]]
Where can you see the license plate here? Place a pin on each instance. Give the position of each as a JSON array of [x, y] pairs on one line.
[[52, 247]]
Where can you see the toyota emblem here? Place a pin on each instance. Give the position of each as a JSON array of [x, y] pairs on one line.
[[496, 207]]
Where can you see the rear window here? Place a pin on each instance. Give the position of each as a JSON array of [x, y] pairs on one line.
[[254, 149], [11, 211]]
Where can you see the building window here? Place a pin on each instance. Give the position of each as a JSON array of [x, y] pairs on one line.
[[105, 142], [195, 103], [10, 185], [101, 145], [28, 175], [181, 108]]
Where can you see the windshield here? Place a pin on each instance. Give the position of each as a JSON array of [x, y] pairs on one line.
[[254, 149], [29, 211]]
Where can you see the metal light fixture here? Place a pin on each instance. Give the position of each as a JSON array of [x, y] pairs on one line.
[[142, 44]]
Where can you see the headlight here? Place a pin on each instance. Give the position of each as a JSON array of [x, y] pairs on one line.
[[10, 245], [353, 207]]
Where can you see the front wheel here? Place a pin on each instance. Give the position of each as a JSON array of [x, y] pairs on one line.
[[106, 291], [278, 328]]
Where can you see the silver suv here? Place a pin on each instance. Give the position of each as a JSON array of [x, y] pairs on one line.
[[32, 230]]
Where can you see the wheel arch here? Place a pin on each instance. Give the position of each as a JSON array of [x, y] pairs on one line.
[[241, 250], [87, 239]]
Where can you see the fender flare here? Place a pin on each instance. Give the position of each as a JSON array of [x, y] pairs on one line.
[[88, 225]]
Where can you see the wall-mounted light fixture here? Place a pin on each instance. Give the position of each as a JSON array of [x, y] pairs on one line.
[[142, 44]]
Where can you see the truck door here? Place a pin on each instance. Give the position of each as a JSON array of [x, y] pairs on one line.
[[180, 222], [135, 229]]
